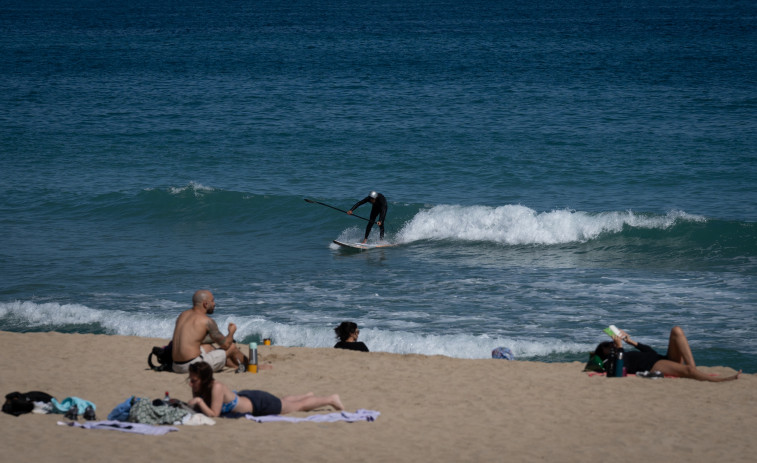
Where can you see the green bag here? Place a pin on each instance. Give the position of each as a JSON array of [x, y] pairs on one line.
[[595, 364]]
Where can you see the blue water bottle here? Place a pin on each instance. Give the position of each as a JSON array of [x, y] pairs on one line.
[[619, 364]]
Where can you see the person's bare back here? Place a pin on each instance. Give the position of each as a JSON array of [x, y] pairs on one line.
[[195, 331], [189, 334]]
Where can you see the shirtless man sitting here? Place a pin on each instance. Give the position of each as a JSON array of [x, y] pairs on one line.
[[194, 334]]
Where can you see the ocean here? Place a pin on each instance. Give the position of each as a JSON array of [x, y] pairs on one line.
[[551, 168]]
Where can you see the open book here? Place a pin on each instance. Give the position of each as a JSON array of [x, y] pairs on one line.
[[612, 330]]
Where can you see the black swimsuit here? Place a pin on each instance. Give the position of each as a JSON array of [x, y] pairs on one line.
[[643, 360], [263, 403]]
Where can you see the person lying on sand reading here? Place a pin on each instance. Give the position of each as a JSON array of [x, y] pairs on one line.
[[194, 334], [679, 361], [213, 398], [347, 333]]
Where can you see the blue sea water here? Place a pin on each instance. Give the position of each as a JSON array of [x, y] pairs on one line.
[[551, 168]]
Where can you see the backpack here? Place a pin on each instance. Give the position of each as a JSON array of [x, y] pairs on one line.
[[17, 403], [163, 356]]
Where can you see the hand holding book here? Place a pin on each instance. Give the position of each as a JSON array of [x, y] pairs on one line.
[[613, 331]]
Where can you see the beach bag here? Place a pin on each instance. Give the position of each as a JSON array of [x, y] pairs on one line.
[[163, 358], [157, 411], [502, 353], [17, 403], [121, 412], [595, 364]]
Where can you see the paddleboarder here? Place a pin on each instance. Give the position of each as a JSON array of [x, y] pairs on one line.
[[378, 210]]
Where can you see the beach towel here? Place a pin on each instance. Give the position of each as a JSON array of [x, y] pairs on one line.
[[65, 405], [360, 415], [112, 425], [594, 373], [197, 419]]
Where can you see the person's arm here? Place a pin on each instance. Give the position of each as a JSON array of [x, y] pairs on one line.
[[199, 405], [382, 214], [216, 399], [643, 347], [224, 342], [358, 204], [639, 346]]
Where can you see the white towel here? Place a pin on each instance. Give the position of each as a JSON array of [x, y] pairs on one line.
[[360, 415], [123, 426]]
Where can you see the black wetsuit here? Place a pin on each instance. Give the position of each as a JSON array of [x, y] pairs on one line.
[[378, 210], [641, 360], [352, 346]]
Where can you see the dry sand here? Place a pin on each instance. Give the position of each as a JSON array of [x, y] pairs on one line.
[[432, 409]]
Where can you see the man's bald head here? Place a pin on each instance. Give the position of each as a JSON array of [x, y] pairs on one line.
[[204, 298]]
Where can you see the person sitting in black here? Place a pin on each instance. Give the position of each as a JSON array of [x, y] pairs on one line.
[[347, 333]]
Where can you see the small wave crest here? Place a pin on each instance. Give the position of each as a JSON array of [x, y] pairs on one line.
[[26, 316], [520, 225], [193, 187], [196, 202]]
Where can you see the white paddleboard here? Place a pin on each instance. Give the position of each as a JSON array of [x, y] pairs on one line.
[[361, 246]]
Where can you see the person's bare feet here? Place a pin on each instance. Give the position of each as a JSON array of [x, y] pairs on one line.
[[336, 402], [731, 378]]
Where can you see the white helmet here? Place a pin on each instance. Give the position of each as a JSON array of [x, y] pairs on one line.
[[373, 195]]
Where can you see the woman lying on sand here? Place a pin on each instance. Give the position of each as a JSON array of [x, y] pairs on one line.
[[679, 361], [213, 398]]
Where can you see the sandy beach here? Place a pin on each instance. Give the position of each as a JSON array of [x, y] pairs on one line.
[[432, 408]]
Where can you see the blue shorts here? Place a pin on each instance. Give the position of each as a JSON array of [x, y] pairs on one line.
[[263, 403]]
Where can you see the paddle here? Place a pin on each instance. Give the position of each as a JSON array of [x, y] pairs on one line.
[[340, 210]]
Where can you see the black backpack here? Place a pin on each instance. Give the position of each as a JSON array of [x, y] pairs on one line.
[[163, 356], [17, 403]]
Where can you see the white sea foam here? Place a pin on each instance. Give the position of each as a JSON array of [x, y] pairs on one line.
[[193, 186], [402, 342], [51, 316], [518, 225]]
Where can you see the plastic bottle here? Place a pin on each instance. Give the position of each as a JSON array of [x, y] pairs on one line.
[[252, 367]]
